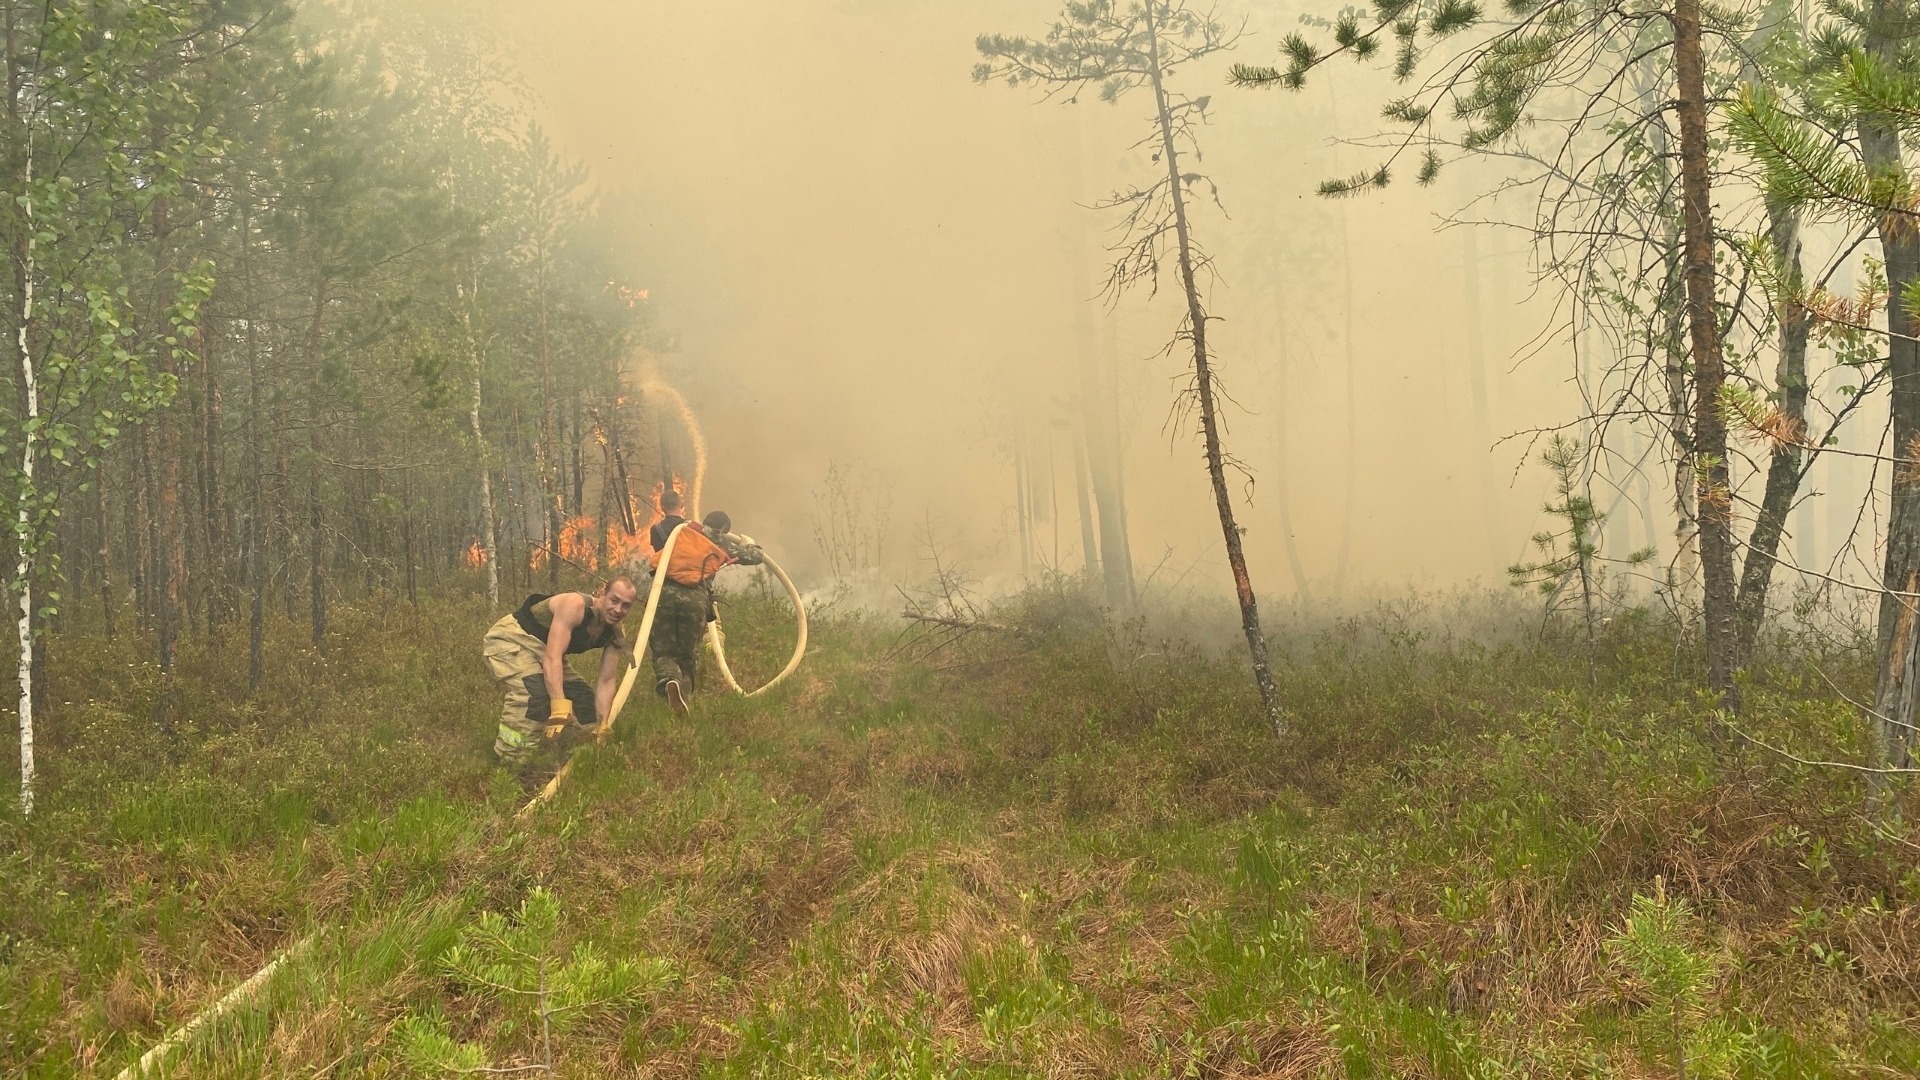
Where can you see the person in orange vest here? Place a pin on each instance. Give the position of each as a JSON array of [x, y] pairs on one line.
[[686, 600], [671, 517]]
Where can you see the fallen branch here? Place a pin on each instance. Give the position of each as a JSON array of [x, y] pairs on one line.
[[965, 624], [1848, 765]]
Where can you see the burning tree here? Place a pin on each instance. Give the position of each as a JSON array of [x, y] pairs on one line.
[[1120, 49]]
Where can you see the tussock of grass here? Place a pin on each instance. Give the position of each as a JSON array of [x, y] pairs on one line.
[[1075, 852]]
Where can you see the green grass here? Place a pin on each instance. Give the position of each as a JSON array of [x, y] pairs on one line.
[[1078, 853]]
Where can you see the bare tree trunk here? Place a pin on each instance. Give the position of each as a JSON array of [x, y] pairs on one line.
[[1784, 469], [106, 548], [1099, 414], [406, 534], [550, 462], [23, 526], [1020, 498], [1682, 569], [1890, 27], [1083, 500], [471, 298], [256, 458], [1710, 432], [141, 524], [1203, 388], [171, 553], [579, 467], [165, 473], [1107, 464], [211, 508], [316, 539]]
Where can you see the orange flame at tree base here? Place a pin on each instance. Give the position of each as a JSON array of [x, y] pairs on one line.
[[588, 546]]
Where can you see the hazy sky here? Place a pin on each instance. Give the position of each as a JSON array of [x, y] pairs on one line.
[[869, 259]]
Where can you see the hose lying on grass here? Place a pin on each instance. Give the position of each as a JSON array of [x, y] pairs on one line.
[[714, 637], [238, 995]]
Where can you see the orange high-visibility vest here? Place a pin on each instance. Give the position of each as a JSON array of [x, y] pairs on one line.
[[696, 558]]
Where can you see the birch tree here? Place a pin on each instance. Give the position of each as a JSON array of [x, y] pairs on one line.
[[85, 156]]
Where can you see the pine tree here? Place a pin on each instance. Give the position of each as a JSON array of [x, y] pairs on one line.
[[1479, 97], [1119, 49], [512, 962], [1857, 72]]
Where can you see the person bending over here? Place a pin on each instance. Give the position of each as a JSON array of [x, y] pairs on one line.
[[686, 600], [527, 652]]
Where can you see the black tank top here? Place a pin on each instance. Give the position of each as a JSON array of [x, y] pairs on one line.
[[536, 617]]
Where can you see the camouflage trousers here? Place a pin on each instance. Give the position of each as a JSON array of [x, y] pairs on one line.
[[513, 659], [678, 625]]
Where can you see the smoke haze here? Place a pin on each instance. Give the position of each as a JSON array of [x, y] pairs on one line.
[[864, 258]]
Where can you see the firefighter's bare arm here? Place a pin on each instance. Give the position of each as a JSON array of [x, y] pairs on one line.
[[569, 610]]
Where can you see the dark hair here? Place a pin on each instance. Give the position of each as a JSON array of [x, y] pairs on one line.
[[669, 499], [718, 521]]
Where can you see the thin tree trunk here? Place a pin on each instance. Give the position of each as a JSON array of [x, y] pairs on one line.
[[1020, 499], [23, 527], [1682, 575], [1099, 411], [316, 540], [1083, 501], [1710, 433], [170, 564], [1109, 474], [256, 455], [106, 549], [480, 448], [210, 502], [140, 524], [1889, 30], [1784, 465], [170, 551], [1203, 388], [551, 464], [579, 467]]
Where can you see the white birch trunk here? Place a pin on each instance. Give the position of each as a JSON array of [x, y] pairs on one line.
[[480, 442], [23, 523]]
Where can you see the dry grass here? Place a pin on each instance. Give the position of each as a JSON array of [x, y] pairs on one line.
[[1022, 863]]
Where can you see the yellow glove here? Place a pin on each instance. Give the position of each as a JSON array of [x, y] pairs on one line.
[[558, 716]]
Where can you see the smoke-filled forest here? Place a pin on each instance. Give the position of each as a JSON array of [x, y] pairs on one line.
[[988, 538]]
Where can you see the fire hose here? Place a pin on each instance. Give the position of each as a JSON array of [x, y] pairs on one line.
[[715, 637]]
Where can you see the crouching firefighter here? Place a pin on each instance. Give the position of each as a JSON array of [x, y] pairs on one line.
[[686, 600], [527, 652]]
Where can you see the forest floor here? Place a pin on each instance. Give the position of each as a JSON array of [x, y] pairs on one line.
[[1477, 852]]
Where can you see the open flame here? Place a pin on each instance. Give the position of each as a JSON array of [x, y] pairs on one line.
[[588, 545], [577, 544], [475, 556]]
